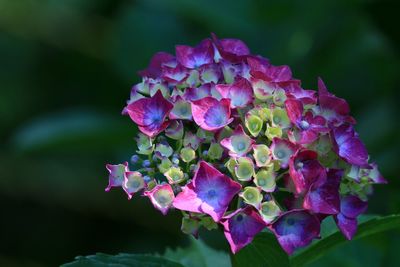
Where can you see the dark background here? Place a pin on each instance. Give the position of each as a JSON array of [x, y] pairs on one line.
[[66, 68]]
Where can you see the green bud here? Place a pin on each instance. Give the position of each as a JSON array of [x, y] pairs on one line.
[[230, 165], [144, 144], [252, 196], [208, 223], [269, 211], [262, 155], [262, 89], [164, 150], [280, 118], [215, 151], [190, 226], [265, 113], [265, 179], [174, 175], [244, 169], [254, 124], [279, 97], [165, 165], [187, 154], [206, 136], [272, 132]]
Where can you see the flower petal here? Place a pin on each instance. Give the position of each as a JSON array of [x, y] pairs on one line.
[[211, 114], [241, 226], [295, 229], [240, 92], [209, 192], [325, 198], [116, 177], [162, 197], [150, 114]]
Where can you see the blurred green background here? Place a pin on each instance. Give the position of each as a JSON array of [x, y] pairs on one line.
[[66, 71]]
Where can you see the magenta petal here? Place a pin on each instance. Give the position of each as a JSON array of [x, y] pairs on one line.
[[211, 114], [305, 169], [333, 108], [295, 229], [241, 226], [348, 145], [150, 114], [240, 92], [116, 177], [232, 50], [193, 94], [294, 109], [175, 74], [352, 206], [325, 198], [154, 68], [348, 226], [193, 57], [210, 192]]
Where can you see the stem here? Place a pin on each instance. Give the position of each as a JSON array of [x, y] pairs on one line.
[[241, 115]]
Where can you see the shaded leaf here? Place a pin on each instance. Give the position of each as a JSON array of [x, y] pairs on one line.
[[198, 254], [263, 251], [367, 228], [121, 260]]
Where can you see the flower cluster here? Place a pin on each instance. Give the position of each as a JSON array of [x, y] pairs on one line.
[[232, 140]]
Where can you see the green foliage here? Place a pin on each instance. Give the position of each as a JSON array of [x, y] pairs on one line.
[[121, 260], [198, 254], [320, 248], [263, 251]]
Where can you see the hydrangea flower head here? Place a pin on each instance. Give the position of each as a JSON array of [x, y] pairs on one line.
[[230, 139]]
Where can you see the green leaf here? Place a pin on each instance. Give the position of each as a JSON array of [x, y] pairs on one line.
[[198, 254], [121, 260], [370, 227], [263, 251]]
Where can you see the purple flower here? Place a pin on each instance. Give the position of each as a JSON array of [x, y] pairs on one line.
[[162, 197], [154, 69], [193, 94], [194, 57], [305, 169], [276, 76], [241, 226], [239, 143], [233, 50], [175, 74], [117, 172], [209, 192], [333, 108], [324, 198], [240, 92], [295, 229], [150, 114], [348, 145], [350, 207], [211, 114], [309, 125]]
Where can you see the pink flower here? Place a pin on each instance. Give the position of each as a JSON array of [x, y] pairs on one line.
[[211, 114], [209, 192], [241, 226], [150, 114]]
